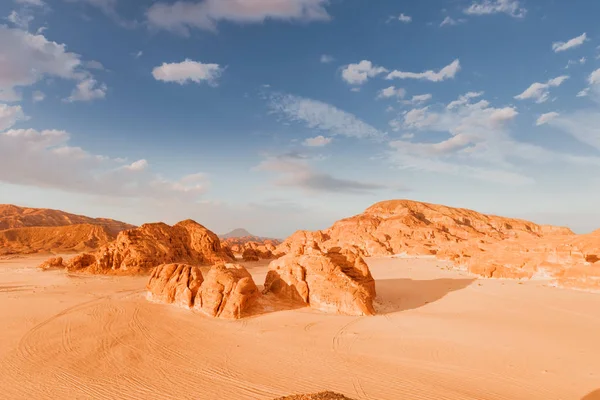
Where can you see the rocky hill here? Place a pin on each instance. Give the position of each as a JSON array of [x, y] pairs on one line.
[[12, 217], [139, 250], [488, 245], [35, 230]]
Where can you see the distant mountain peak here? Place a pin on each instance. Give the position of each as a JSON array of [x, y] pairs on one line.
[[237, 233]]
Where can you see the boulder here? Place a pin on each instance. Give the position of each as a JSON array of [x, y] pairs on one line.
[[52, 263], [228, 291], [175, 284], [250, 254], [337, 281]]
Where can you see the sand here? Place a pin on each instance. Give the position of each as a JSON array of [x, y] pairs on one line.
[[442, 334]]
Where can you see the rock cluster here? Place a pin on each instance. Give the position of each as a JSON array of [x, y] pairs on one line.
[[228, 290], [139, 250], [336, 281]]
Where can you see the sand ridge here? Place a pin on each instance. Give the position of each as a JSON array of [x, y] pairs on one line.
[[441, 334]]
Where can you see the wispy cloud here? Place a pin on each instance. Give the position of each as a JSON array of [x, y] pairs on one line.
[[487, 7], [570, 44], [540, 92], [447, 72]]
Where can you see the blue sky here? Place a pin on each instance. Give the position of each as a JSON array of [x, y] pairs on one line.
[[277, 115]]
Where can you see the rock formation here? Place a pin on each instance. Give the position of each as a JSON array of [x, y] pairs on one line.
[[250, 254], [336, 281], [33, 230], [175, 283], [227, 292], [12, 217], [487, 245], [52, 263], [141, 249]]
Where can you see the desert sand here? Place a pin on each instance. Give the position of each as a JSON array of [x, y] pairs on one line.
[[439, 334]]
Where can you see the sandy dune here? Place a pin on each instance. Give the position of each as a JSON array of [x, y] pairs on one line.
[[441, 335]]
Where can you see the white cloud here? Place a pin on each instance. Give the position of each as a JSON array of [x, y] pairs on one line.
[[181, 16], [45, 159], [28, 58], [138, 165], [419, 99], [318, 141], [487, 7], [463, 99], [9, 115], [447, 72], [37, 96], [405, 18], [38, 3], [583, 93], [186, 71], [325, 117], [547, 117], [570, 44], [541, 91], [294, 170], [326, 59], [87, 90], [391, 91], [137, 54], [449, 21], [357, 74], [594, 78], [20, 19]]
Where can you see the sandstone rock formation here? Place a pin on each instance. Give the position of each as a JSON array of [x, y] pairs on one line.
[[175, 283], [487, 245], [228, 291], [336, 281], [12, 217], [52, 263], [54, 239], [141, 249], [32, 230], [250, 254]]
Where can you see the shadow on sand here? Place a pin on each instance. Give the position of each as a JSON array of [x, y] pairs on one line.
[[396, 295], [595, 395]]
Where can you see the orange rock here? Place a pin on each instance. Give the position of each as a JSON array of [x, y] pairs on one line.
[[228, 291], [141, 249], [337, 281], [52, 263], [175, 283], [250, 255]]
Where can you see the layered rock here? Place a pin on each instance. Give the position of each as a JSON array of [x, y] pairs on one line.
[[141, 249], [54, 239], [336, 281], [13, 217], [52, 263], [487, 245], [228, 291], [175, 284]]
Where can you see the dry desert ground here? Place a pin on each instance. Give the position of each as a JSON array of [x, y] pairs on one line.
[[439, 334]]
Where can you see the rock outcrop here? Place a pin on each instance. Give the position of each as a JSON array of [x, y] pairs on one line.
[[335, 281], [13, 217], [316, 396], [175, 284], [52, 263], [228, 291], [257, 248], [250, 254], [54, 239], [487, 245], [139, 250]]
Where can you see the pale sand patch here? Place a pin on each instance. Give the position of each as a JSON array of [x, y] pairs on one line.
[[442, 335]]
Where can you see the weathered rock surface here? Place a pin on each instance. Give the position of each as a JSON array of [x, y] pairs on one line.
[[175, 284], [141, 249], [228, 291], [250, 254], [257, 248], [52, 263], [337, 281], [12, 217], [487, 245]]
